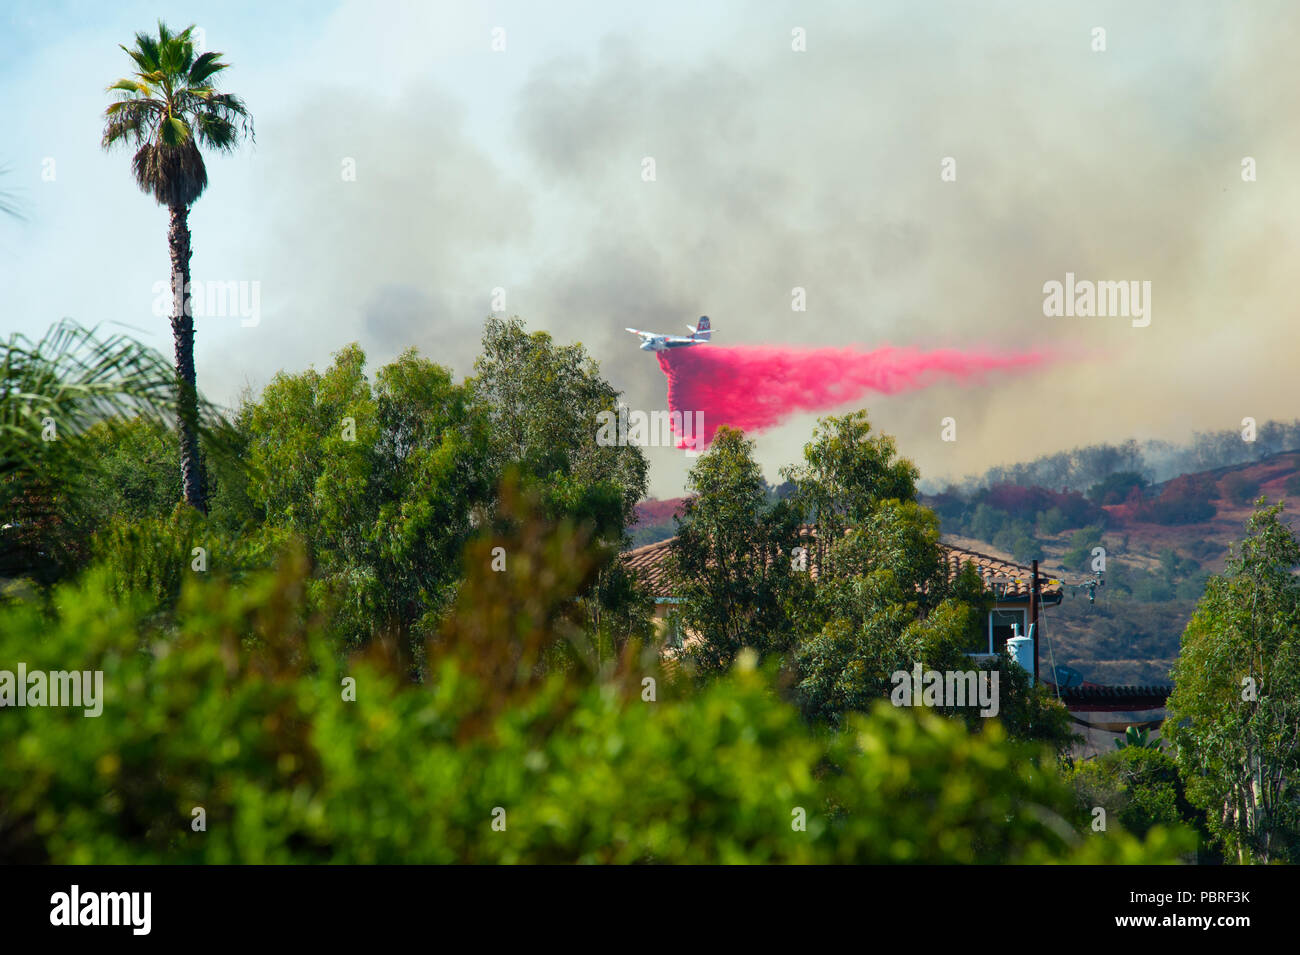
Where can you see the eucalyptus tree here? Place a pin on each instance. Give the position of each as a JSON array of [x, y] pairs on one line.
[[167, 109], [1234, 716], [733, 560]]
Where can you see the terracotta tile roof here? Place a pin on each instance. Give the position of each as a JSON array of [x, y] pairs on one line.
[[650, 566], [1011, 580]]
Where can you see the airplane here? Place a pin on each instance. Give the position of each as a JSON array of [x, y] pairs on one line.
[[652, 341]]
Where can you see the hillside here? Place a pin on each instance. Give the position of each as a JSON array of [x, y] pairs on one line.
[[1156, 571], [1234, 490], [655, 520]]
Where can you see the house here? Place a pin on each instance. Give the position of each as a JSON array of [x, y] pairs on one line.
[[1011, 612], [1008, 583]]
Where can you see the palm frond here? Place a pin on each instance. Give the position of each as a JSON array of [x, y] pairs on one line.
[[174, 131], [8, 204], [130, 86], [78, 378], [207, 65], [217, 133], [145, 53], [52, 392], [131, 121]]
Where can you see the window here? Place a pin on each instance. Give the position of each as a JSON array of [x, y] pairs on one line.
[[676, 633], [1003, 625]]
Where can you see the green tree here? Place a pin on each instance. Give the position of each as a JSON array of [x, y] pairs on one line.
[[151, 558], [884, 599], [987, 522], [889, 605], [134, 466], [383, 483], [167, 109], [883, 602], [542, 403], [1052, 521], [1234, 715], [733, 557], [1079, 555], [845, 473]]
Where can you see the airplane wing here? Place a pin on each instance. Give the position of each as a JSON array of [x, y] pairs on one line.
[[641, 333]]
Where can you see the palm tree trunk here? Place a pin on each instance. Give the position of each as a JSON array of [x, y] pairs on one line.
[[187, 414]]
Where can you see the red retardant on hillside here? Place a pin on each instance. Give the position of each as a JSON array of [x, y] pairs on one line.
[[756, 387]]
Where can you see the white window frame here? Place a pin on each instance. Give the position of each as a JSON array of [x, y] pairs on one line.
[[1023, 613]]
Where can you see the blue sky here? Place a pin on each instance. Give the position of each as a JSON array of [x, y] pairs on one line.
[[520, 169]]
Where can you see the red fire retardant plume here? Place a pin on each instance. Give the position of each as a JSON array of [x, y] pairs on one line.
[[756, 387]]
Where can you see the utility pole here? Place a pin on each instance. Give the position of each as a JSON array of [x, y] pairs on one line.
[[1033, 616]]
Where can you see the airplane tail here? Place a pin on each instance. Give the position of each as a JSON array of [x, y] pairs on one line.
[[701, 332]]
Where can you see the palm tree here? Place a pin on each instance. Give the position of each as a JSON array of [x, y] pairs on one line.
[[167, 109], [52, 391]]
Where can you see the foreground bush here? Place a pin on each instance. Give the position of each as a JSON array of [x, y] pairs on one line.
[[1138, 785], [238, 708]]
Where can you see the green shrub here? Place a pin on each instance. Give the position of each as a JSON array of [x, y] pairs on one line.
[[1238, 488], [1136, 785], [1118, 488], [240, 711], [1082, 541], [153, 557], [1052, 521]]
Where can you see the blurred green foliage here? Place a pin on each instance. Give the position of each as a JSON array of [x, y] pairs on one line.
[[1138, 786], [241, 711]]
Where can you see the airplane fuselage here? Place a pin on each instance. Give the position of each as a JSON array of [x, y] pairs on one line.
[[663, 344]]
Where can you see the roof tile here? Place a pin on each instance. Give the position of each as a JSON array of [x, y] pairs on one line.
[[650, 566]]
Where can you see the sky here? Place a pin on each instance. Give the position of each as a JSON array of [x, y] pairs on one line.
[[522, 169]]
